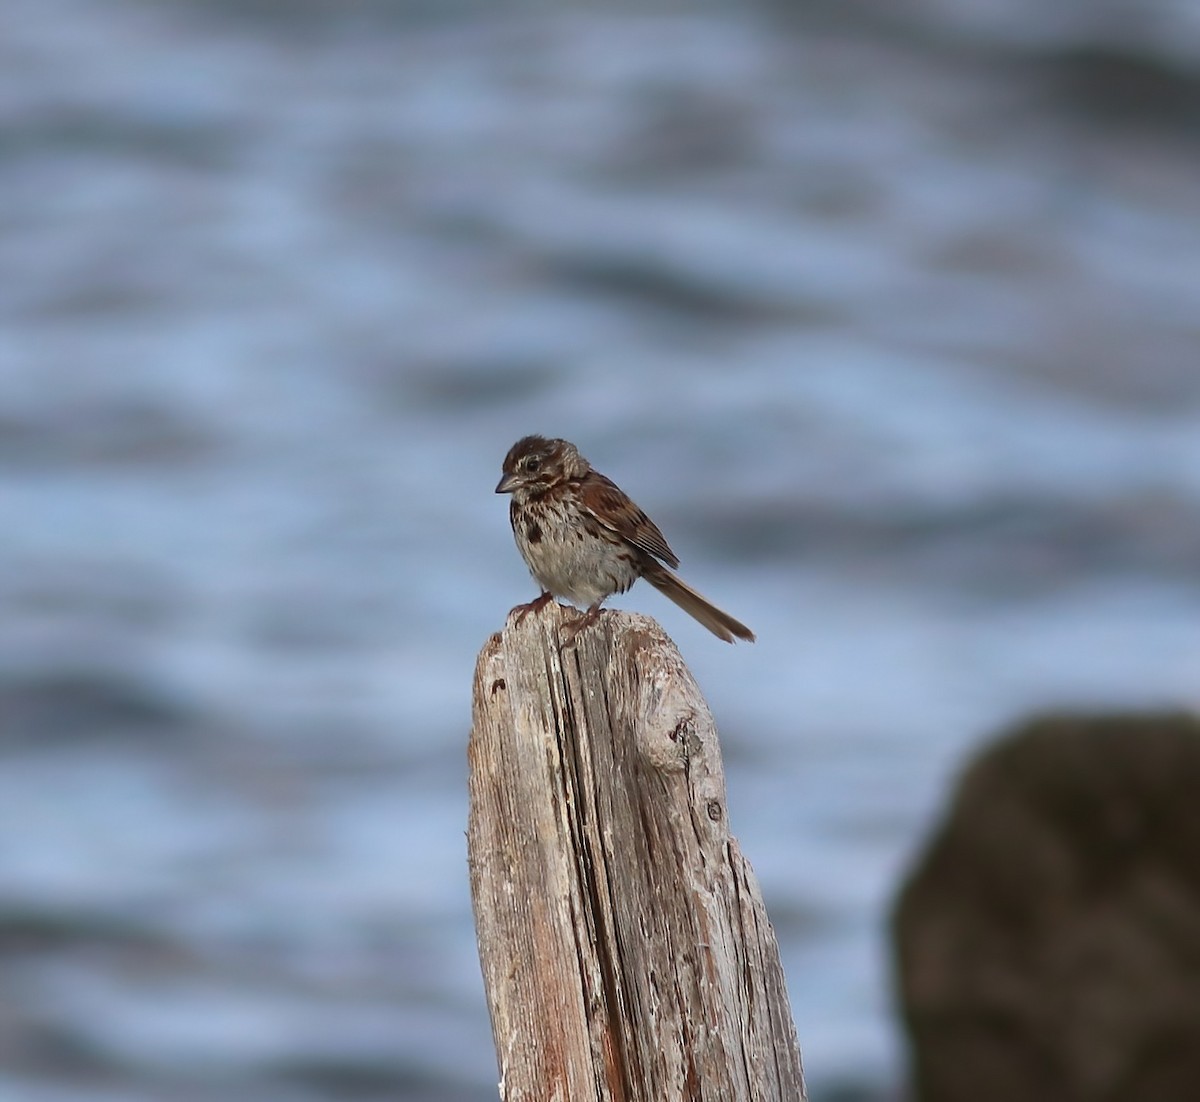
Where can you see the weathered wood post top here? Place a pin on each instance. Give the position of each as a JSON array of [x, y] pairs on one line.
[[626, 951]]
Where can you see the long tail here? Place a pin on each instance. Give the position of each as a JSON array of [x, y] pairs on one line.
[[721, 624]]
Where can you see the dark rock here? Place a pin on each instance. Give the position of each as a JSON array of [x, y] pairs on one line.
[[1048, 941]]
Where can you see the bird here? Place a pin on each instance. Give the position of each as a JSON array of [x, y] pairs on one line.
[[584, 539]]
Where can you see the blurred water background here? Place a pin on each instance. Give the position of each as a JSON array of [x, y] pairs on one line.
[[889, 314]]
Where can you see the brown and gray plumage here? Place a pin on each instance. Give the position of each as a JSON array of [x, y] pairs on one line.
[[583, 539]]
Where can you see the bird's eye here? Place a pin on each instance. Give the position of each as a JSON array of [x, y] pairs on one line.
[[532, 463]]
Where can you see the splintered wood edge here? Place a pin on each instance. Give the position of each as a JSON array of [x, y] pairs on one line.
[[521, 941]]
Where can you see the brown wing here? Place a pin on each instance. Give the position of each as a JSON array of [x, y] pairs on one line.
[[610, 505]]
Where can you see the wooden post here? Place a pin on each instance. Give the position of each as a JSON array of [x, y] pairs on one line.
[[625, 948]]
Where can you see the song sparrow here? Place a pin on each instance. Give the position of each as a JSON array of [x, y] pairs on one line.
[[584, 540]]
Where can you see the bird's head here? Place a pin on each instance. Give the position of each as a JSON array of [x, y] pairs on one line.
[[534, 464]]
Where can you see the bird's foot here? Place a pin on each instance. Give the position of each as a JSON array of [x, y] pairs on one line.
[[536, 605]]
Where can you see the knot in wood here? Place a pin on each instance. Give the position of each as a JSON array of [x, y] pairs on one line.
[[682, 729]]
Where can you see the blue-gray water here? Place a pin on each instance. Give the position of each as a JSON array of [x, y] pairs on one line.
[[892, 323]]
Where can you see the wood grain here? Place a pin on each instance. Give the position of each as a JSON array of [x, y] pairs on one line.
[[626, 951]]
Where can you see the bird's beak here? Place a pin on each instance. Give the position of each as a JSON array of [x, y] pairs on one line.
[[507, 484]]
